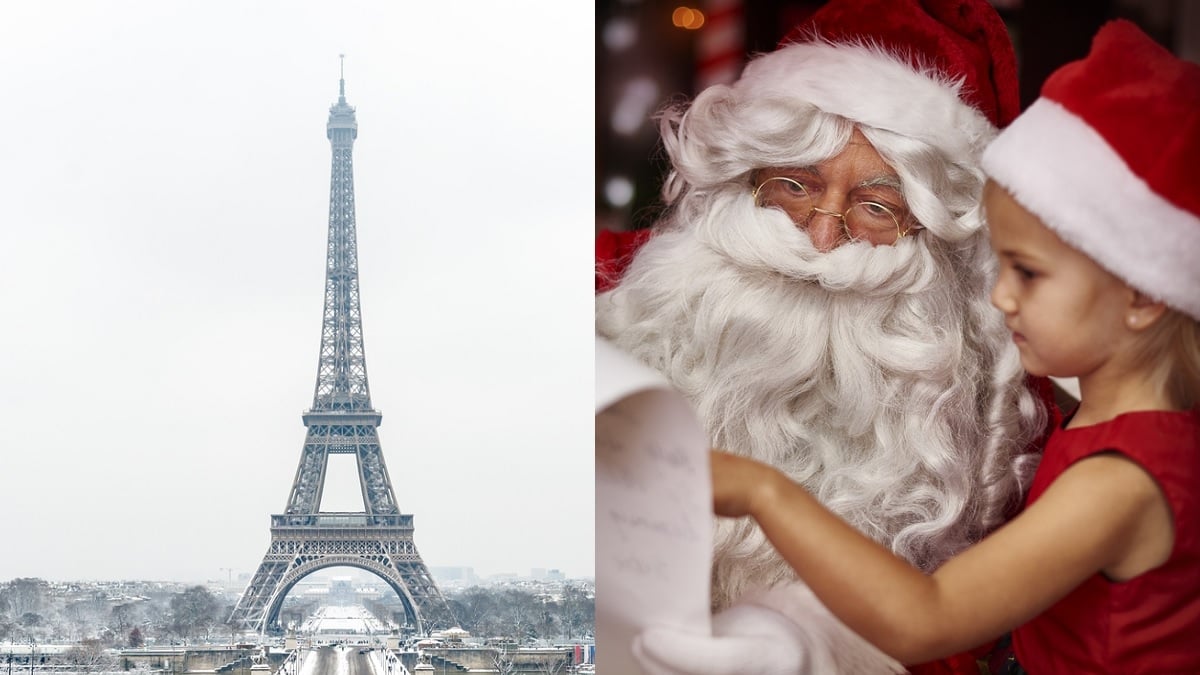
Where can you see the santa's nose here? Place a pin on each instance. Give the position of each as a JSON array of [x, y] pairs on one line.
[[825, 230]]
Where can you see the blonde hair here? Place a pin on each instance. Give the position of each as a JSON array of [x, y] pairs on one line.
[[1171, 350]]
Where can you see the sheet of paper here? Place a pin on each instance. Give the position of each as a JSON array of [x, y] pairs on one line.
[[653, 509]]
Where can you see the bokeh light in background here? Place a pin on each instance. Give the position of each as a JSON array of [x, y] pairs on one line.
[[633, 109], [686, 17], [618, 191]]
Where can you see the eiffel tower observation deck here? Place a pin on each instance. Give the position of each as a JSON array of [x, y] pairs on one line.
[[379, 538]]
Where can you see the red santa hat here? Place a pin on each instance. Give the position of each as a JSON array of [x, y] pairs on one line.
[[940, 71], [1108, 157]]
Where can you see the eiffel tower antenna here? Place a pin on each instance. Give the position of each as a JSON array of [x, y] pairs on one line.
[[378, 539]]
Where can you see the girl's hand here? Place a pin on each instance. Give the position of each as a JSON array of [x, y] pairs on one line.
[[740, 485]]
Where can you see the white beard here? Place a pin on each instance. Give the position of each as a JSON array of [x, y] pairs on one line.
[[865, 373]]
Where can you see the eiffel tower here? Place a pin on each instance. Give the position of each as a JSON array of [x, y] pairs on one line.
[[379, 538]]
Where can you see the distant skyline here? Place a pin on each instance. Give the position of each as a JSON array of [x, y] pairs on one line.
[[166, 178]]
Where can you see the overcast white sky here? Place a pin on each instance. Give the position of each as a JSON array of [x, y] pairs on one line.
[[165, 185]]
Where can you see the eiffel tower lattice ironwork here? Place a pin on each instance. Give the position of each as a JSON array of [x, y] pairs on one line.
[[379, 538]]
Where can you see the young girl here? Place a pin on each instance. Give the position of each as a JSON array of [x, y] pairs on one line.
[[1094, 211]]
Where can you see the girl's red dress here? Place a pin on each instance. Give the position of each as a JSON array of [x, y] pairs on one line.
[[1148, 624]]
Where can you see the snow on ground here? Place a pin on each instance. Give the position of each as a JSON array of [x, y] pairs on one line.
[[309, 666]]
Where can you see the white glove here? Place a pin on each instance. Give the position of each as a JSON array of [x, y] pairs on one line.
[[784, 630], [746, 640]]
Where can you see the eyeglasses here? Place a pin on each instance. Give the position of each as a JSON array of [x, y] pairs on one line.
[[864, 220]]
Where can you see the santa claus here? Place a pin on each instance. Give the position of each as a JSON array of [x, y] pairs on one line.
[[818, 289]]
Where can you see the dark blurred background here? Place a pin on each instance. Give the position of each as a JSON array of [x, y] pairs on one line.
[[649, 52]]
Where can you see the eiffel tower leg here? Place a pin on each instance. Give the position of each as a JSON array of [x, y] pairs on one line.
[[432, 609], [250, 613]]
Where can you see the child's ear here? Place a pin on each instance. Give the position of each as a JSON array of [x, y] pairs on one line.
[[1143, 311]]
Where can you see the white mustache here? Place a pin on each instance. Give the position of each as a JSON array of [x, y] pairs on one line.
[[766, 240]]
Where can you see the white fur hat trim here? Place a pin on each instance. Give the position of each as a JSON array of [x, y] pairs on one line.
[[867, 84], [1082, 189]]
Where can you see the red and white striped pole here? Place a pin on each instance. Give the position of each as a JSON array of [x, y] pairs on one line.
[[721, 44]]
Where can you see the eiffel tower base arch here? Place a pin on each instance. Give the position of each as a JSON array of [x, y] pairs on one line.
[[329, 540]]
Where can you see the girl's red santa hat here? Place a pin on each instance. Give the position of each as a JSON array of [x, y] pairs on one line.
[[1108, 157], [940, 71]]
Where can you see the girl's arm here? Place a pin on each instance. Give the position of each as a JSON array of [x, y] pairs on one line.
[[1103, 514]]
